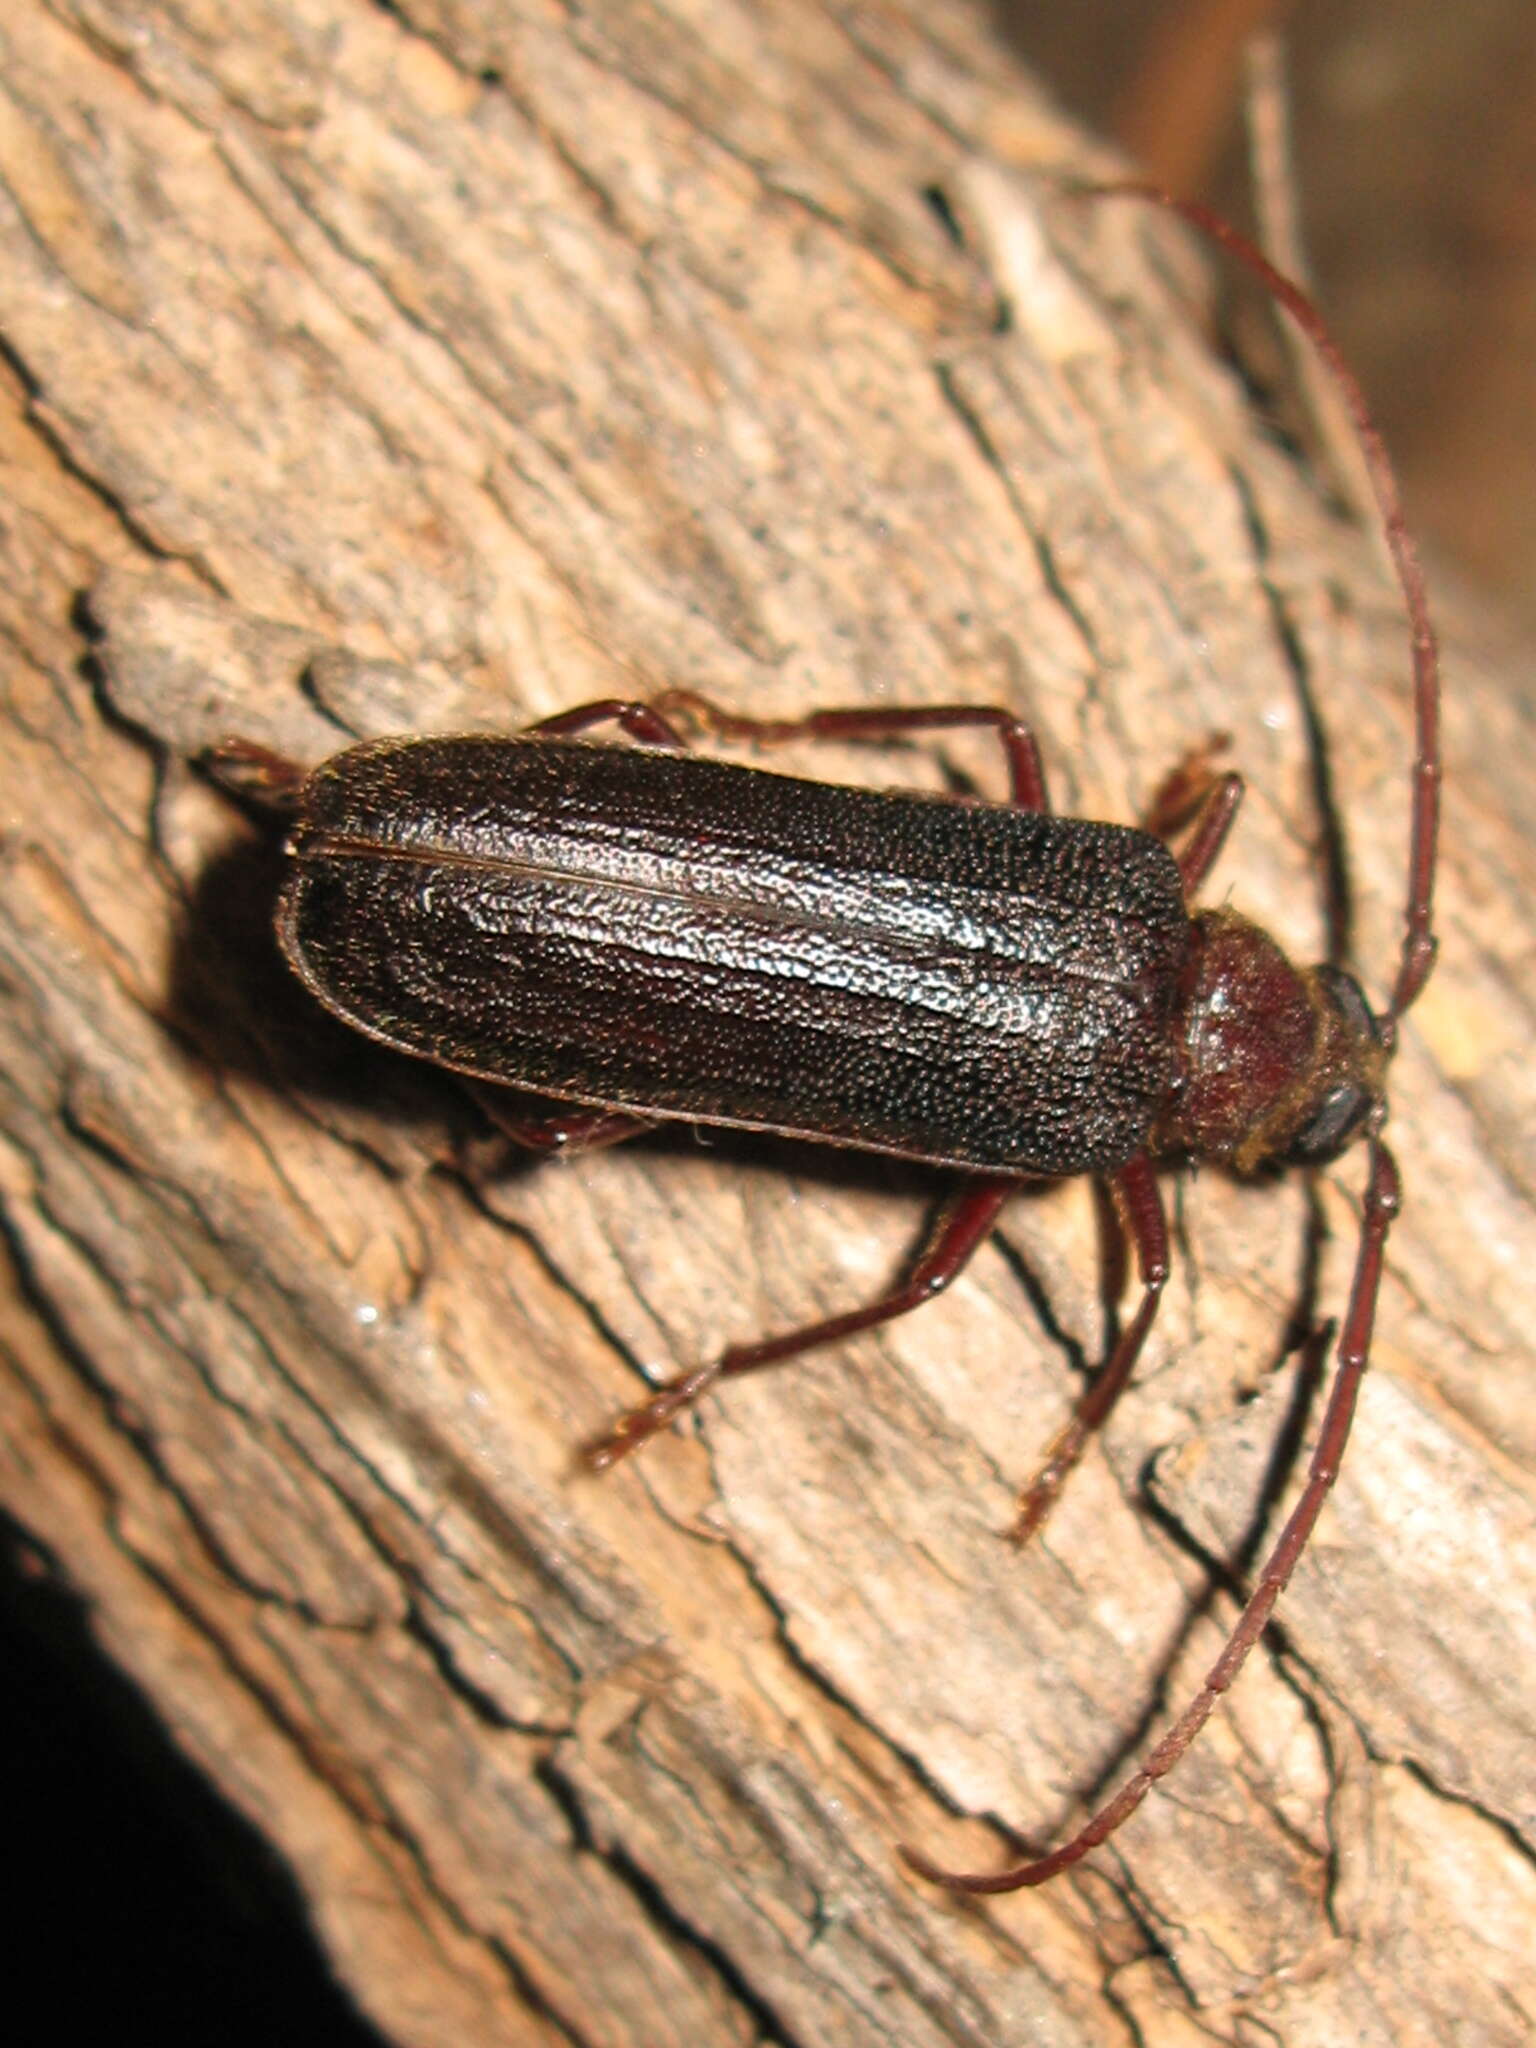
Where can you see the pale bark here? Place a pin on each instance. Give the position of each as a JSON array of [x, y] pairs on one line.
[[443, 366]]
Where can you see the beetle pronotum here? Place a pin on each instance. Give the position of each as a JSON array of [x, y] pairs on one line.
[[641, 934]]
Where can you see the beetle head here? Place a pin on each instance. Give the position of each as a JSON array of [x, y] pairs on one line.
[[1277, 1065]]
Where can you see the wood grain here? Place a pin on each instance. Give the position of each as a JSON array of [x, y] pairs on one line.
[[443, 366]]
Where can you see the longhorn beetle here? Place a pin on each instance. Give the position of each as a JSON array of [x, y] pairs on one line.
[[642, 934]]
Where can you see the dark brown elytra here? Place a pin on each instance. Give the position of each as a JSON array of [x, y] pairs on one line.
[[643, 935]]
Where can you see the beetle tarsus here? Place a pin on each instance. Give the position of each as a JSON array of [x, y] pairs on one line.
[[963, 1225], [257, 774], [639, 1425]]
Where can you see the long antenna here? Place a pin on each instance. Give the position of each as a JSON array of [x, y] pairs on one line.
[[1419, 945]]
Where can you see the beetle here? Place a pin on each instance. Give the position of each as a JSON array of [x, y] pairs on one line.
[[640, 933]]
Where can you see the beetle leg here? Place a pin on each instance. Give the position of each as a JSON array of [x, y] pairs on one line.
[[1195, 793], [640, 720], [1142, 1208], [1213, 822], [566, 1128], [1382, 1200], [1026, 775], [249, 770], [967, 1220]]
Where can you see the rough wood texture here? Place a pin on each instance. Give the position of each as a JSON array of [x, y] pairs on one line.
[[439, 366]]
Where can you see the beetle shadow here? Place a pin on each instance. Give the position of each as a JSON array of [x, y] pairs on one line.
[[236, 1006]]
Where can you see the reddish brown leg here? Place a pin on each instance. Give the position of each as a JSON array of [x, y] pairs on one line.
[[1382, 1200], [1212, 824], [262, 776], [567, 1128], [1183, 790], [1195, 792], [640, 720], [1142, 1207], [256, 773], [1026, 776], [962, 1227]]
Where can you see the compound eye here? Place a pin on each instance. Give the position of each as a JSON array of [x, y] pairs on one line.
[[1333, 1126], [1349, 1000]]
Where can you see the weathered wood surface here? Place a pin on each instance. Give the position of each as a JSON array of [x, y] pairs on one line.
[[440, 366]]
